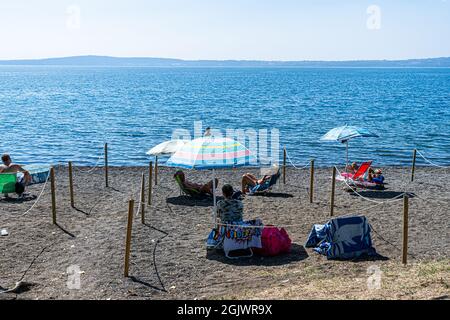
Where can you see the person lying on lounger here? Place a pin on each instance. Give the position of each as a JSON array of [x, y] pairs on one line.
[[192, 188], [249, 181], [9, 167]]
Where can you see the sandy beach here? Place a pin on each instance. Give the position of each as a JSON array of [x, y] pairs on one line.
[[168, 255]]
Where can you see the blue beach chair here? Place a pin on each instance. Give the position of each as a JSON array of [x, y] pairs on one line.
[[267, 185]]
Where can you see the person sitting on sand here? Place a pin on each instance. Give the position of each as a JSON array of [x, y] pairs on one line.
[[230, 209], [250, 181], [378, 177], [9, 167], [202, 188]]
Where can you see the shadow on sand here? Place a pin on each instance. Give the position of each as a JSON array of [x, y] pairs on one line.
[[273, 195], [298, 253], [191, 202], [26, 198], [382, 194]]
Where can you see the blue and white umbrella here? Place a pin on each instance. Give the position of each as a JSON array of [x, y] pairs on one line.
[[210, 153], [345, 133]]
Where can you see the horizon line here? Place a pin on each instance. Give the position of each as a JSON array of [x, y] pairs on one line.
[[219, 60]]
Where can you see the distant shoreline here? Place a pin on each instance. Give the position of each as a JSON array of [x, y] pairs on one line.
[[105, 61]]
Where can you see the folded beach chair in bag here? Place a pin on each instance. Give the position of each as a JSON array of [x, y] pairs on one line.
[[266, 186], [342, 238], [8, 183], [243, 235]]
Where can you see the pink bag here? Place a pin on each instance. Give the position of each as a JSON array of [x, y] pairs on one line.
[[274, 242]]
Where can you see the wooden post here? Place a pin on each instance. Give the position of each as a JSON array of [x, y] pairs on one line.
[[128, 238], [106, 165], [413, 165], [150, 183], [72, 198], [156, 170], [284, 165], [333, 188], [143, 199], [311, 183], [405, 229], [53, 190]]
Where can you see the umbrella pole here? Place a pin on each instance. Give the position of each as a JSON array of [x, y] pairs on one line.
[[214, 198], [346, 166]]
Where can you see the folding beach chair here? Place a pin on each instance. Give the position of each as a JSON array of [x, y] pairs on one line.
[[191, 192], [357, 180], [266, 186], [359, 174], [8, 183]]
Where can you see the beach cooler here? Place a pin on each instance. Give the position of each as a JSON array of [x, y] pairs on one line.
[[39, 173]]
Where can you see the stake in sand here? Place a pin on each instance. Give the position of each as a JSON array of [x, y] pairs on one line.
[[311, 182], [284, 165], [106, 165], [333, 188], [53, 191], [72, 197], [128, 238], [143, 199], [150, 183], [405, 229], [413, 165]]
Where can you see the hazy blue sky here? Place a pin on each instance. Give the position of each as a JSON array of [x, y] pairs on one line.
[[226, 29]]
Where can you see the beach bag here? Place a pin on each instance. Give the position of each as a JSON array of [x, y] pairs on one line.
[[274, 242]]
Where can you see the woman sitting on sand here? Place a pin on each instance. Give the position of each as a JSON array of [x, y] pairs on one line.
[[202, 188], [230, 209]]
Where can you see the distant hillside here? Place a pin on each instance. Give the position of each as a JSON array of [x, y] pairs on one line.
[[163, 62]]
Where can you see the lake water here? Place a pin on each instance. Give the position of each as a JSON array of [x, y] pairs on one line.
[[57, 114]]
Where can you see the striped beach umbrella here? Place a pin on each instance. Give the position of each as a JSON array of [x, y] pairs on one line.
[[210, 153], [345, 133]]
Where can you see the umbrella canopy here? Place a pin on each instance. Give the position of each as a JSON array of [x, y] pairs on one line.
[[167, 148], [345, 133], [211, 153]]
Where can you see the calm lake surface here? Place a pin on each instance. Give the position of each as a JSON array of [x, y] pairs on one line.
[[57, 114]]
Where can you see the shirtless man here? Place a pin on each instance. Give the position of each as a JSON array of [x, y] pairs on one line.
[[10, 167]]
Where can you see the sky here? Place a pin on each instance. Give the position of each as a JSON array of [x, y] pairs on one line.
[[226, 29]]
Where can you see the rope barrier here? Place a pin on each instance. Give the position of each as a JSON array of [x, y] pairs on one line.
[[298, 168], [394, 199], [38, 198], [431, 162], [97, 165]]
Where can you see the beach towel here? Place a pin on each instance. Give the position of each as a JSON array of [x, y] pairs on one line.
[[342, 238], [236, 236]]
